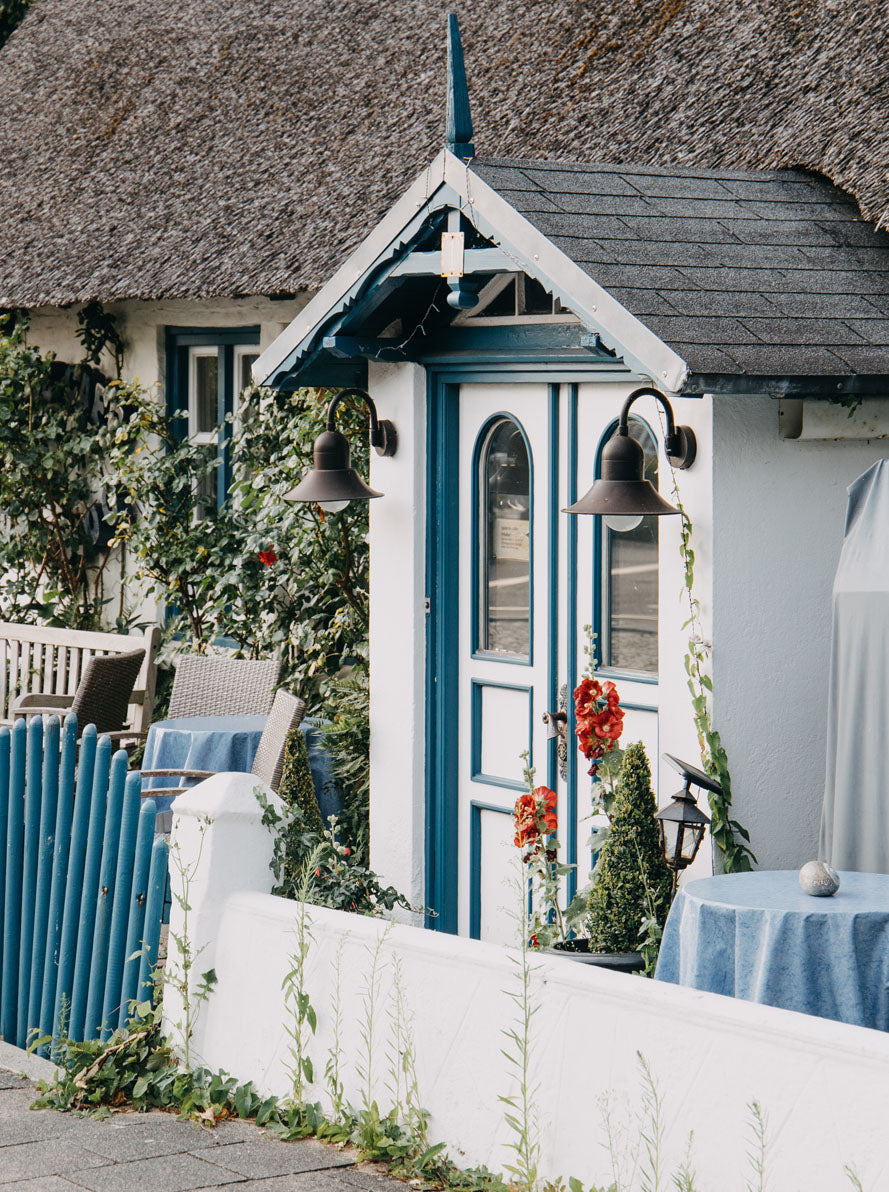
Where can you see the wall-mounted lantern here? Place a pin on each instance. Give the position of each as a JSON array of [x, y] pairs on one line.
[[622, 495], [333, 482], [681, 824]]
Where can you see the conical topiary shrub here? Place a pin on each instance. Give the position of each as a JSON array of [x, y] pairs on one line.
[[630, 862], [296, 787]]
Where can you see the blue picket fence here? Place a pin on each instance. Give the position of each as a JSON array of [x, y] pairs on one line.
[[82, 881]]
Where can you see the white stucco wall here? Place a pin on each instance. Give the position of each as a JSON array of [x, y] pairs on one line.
[[398, 634], [143, 326], [824, 1086], [779, 508]]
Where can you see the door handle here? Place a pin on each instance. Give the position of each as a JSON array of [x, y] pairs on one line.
[[557, 727]]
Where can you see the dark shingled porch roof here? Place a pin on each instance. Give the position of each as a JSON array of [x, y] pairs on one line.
[[160, 149], [757, 274]]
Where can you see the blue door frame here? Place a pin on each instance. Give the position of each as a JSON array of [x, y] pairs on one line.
[[442, 583]]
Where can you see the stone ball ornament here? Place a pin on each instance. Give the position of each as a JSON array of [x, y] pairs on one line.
[[819, 879]]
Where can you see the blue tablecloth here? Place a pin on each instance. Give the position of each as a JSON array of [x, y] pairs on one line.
[[757, 936], [225, 744]]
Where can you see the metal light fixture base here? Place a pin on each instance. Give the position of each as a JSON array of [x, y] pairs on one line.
[[682, 447], [385, 438]]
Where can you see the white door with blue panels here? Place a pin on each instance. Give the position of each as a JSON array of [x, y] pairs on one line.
[[530, 579]]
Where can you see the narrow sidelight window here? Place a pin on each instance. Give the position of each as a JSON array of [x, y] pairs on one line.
[[504, 535]]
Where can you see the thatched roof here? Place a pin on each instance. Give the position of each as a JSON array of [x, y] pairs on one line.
[[162, 148]]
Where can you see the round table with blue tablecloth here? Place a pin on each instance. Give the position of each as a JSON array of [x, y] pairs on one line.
[[759, 937], [226, 744]]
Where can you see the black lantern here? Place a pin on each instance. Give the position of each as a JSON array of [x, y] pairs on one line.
[[622, 492], [333, 482], [681, 824]]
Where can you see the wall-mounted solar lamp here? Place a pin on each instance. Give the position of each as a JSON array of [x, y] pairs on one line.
[[332, 483], [622, 495], [681, 824]]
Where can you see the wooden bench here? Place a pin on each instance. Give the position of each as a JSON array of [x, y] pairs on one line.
[[39, 658]]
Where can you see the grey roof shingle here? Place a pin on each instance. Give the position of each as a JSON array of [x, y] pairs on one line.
[[767, 274]]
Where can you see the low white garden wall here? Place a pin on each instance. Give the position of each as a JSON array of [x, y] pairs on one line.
[[823, 1085]]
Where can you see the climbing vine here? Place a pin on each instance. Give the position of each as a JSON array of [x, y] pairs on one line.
[[729, 835]]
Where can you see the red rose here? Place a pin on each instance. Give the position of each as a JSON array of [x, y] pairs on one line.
[[268, 557]]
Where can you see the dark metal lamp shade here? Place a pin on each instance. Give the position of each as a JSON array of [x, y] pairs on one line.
[[333, 482], [622, 488], [332, 478]]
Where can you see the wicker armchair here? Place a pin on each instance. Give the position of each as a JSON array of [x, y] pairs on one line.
[[286, 714], [102, 696], [217, 686]]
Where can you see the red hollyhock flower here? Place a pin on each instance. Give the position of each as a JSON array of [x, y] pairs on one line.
[[268, 557], [525, 814]]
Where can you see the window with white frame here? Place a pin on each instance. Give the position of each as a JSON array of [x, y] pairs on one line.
[[207, 371]]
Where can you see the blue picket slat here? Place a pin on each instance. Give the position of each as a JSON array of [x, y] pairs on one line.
[[5, 748], [60, 874], [90, 886], [49, 801], [74, 888], [12, 918], [129, 985], [154, 908], [82, 881], [105, 896], [33, 788], [120, 907]]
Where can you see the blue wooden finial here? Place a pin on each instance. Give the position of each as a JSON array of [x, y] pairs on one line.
[[458, 129]]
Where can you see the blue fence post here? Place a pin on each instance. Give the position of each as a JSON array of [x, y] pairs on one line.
[[129, 985], [105, 896], [12, 910], [60, 878], [154, 909], [92, 863], [5, 746], [33, 788], [49, 802], [123, 888], [74, 888]]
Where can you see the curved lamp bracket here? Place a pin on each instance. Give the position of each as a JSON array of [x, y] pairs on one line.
[[383, 436], [680, 443]]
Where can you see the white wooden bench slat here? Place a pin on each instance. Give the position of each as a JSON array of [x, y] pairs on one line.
[[44, 658]]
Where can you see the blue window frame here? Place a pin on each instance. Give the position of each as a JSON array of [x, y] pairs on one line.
[[502, 520], [207, 369]]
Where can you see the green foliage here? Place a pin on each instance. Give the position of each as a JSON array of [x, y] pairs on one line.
[[58, 428], [736, 856], [631, 871], [346, 704], [296, 787], [339, 879], [12, 13], [98, 332], [137, 1069], [759, 1143]]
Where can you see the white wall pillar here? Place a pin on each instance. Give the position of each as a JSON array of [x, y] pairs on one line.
[[398, 635], [218, 845]]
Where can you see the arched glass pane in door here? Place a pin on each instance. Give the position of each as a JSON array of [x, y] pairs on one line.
[[629, 626], [504, 541]]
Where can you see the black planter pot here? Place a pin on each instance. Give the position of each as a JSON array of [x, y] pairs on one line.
[[619, 962]]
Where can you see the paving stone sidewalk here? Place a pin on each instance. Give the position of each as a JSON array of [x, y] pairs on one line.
[[45, 1151]]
